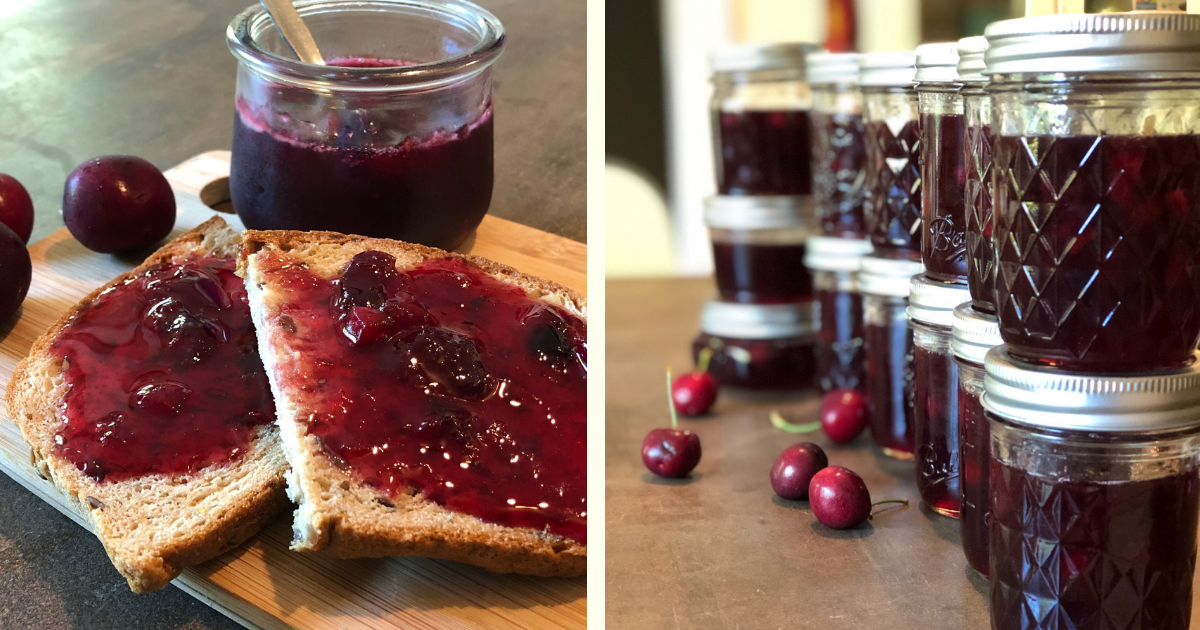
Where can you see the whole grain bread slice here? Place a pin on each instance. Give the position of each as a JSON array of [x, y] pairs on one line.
[[154, 525], [338, 514]]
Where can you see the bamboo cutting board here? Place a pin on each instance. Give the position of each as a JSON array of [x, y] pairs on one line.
[[262, 584]]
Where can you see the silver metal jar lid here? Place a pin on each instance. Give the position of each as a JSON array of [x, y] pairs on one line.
[[828, 253], [1149, 41], [888, 277], [937, 63], [827, 67], [973, 334], [970, 59], [932, 303], [754, 58], [760, 321], [887, 69], [749, 212], [1056, 399]]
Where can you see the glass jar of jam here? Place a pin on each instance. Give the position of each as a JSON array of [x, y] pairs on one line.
[[1097, 188], [1095, 496], [892, 132], [760, 110], [765, 347], [888, 344], [977, 159], [392, 137], [973, 334], [943, 174], [839, 152], [758, 247], [935, 391], [834, 263]]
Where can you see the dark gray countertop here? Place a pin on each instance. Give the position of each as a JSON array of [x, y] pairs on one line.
[[81, 78]]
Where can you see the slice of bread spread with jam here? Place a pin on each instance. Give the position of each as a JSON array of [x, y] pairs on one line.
[[430, 404], [147, 406]]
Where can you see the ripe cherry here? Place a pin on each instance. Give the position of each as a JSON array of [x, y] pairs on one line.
[[16, 208], [843, 414], [794, 469], [839, 498], [695, 392], [671, 452]]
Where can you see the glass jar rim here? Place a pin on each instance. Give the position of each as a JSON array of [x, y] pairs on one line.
[[240, 37]]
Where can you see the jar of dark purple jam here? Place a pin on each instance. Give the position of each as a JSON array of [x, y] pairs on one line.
[[758, 247], [839, 150], [888, 345], [392, 137], [973, 334], [1095, 496], [892, 132], [977, 158], [834, 263], [760, 114], [943, 173], [762, 347], [1097, 188], [935, 391]]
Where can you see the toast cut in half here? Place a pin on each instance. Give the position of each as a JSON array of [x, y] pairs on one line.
[[362, 426], [202, 503]]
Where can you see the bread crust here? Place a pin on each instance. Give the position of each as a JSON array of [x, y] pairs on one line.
[[155, 525], [338, 514]]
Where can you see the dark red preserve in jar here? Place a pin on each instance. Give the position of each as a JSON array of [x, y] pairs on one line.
[[892, 132], [839, 149], [758, 346], [834, 263], [758, 247], [943, 173]]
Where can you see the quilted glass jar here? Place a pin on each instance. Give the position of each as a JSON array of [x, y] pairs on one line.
[[888, 343], [977, 188], [892, 133], [763, 347], [758, 247], [839, 151], [834, 263], [943, 174]]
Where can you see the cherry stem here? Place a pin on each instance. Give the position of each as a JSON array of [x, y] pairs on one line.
[[705, 357], [671, 401], [904, 501], [779, 422]]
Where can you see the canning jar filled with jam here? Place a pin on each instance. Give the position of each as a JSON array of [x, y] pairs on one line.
[[892, 133], [758, 247], [888, 341], [972, 336], [1095, 496], [977, 160], [839, 151], [834, 264], [1097, 188], [764, 347], [943, 174], [935, 391], [760, 112], [391, 137]]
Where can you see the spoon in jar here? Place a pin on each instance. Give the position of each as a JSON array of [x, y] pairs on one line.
[[295, 34]]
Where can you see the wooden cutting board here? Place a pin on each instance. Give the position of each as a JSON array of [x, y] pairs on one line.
[[263, 584]]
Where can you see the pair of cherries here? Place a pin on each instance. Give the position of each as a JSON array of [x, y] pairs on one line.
[[837, 495]]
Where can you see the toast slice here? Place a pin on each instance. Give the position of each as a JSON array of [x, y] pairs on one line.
[[338, 511], [152, 525]]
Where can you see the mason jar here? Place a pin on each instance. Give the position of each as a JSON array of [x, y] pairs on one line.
[[1095, 496], [763, 347], [392, 137], [943, 174], [838, 148], [977, 160], [1097, 188], [834, 264], [892, 132], [758, 247]]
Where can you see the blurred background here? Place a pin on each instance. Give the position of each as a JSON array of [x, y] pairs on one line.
[[658, 139]]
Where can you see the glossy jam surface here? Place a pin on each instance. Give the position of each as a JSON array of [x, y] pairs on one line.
[[889, 350], [765, 153], [443, 380], [162, 374], [761, 273], [1096, 241], [935, 415], [974, 447], [1087, 554], [981, 251], [943, 176], [760, 364], [893, 208], [839, 173], [840, 352]]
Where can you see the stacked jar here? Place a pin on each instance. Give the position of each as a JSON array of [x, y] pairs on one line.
[[892, 213], [762, 330], [839, 191], [1093, 401]]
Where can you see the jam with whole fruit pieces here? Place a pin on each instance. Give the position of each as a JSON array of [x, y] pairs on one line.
[[769, 347], [758, 248], [943, 174], [892, 132], [839, 150], [834, 263], [888, 343]]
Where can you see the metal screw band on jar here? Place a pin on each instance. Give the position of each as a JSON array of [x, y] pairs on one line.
[[974, 334], [824, 68], [971, 66], [887, 69], [887, 276], [760, 321], [757, 212], [933, 303], [937, 63], [827, 253]]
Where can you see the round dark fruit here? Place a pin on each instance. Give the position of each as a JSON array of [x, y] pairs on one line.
[[671, 452], [16, 272], [843, 414], [694, 393], [839, 498], [794, 470], [117, 203], [16, 208]]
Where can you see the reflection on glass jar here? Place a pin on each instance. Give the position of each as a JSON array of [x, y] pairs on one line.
[[892, 132]]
